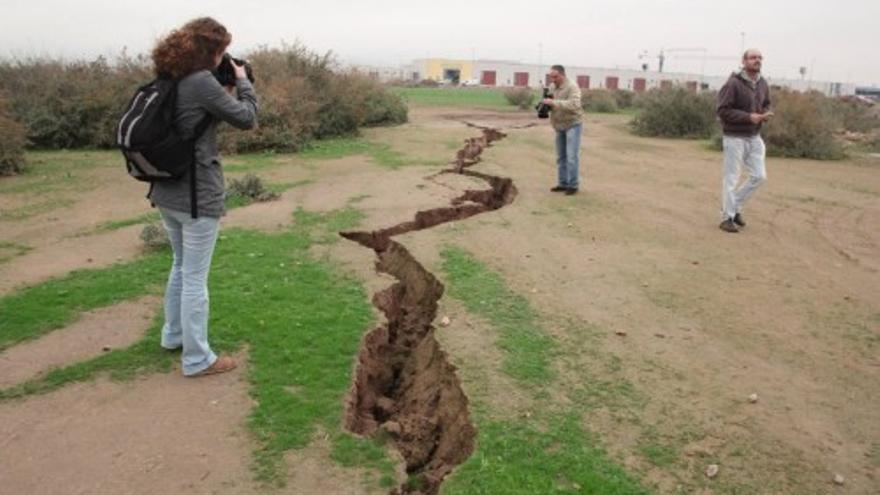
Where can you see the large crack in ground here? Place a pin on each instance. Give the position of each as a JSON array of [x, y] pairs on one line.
[[404, 383]]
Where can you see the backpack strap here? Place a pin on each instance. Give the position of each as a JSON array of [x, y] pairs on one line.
[[193, 199]]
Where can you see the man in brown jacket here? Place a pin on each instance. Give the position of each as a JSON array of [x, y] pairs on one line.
[[566, 117], [743, 106]]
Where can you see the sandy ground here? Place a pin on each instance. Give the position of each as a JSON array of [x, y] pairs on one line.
[[789, 309]]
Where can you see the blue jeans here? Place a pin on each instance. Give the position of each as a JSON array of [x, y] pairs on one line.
[[568, 151], [186, 296]]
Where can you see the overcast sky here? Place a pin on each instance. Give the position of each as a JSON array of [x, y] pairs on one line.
[[835, 40]]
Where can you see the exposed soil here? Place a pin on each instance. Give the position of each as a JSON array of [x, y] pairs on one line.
[[403, 382], [95, 332], [788, 309], [159, 434]]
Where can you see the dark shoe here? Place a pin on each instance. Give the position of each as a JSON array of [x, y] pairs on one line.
[[738, 219], [729, 226], [559, 189], [571, 191]]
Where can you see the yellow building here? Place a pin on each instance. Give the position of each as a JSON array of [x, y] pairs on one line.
[[441, 69]]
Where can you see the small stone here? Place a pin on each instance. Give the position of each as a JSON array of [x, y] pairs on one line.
[[386, 405], [620, 333], [445, 321], [838, 479], [534, 291], [712, 470], [392, 427], [659, 335], [106, 348], [215, 402], [570, 224], [89, 260], [753, 398]]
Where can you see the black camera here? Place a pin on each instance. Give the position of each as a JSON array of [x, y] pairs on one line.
[[542, 108], [225, 72]]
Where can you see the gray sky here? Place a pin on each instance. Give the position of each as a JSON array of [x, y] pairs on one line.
[[836, 39]]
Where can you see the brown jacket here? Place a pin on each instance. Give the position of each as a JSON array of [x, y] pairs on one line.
[[566, 110], [739, 97]]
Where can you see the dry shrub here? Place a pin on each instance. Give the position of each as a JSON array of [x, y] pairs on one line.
[[803, 126], [70, 104], [624, 98], [302, 98], [675, 112], [520, 97], [155, 237], [251, 187], [599, 100], [854, 115], [12, 143], [77, 104]]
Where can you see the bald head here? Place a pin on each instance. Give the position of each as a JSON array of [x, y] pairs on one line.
[[752, 60]]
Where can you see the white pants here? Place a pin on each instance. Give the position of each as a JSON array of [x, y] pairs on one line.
[[739, 151]]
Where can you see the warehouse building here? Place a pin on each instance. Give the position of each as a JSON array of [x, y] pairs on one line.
[[509, 73]]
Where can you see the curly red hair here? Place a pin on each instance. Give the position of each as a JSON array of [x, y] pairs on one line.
[[191, 48]]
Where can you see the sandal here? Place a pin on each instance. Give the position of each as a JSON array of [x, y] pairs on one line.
[[221, 365]]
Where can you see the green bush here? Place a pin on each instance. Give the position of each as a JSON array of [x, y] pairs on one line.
[[803, 126], [155, 237], [624, 98], [251, 188], [854, 115], [12, 143], [675, 112], [523, 98], [599, 100], [77, 104], [70, 104]]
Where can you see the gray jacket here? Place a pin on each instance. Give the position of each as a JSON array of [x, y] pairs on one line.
[[199, 95]]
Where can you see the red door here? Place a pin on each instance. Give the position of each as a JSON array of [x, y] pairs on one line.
[[520, 78], [639, 84], [488, 78], [583, 82], [611, 82]]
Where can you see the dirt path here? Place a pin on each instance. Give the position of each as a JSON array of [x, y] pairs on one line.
[[788, 309], [160, 434]]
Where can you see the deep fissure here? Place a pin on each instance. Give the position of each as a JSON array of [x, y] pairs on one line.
[[404, 383]]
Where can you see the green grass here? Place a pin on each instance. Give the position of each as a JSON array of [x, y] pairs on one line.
[[514, 457], [238, 200], [250, 162], [380, 153], [9, 250], [37, 310], [549, 452], [149, 217], [527, 348], [300, 320], [455, 97], [52, 171]]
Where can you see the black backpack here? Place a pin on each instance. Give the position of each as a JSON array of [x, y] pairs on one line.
[[150, 141]]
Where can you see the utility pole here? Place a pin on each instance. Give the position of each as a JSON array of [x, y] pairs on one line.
[[742, 42]]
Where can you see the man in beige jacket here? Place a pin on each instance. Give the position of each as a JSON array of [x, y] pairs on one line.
[[566, 117]]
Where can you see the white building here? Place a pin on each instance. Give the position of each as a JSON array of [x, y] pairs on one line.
[[510, 73]]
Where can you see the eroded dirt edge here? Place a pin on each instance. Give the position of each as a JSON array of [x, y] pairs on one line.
[[404, 383]]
